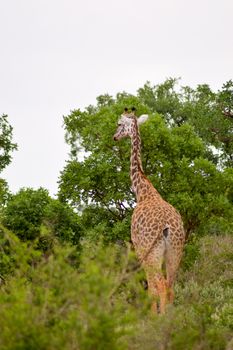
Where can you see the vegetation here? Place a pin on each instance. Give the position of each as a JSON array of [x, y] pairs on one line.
[[6, 144], [32, 214], [49, 303], [69, 278], [6, 148], [181, 156]]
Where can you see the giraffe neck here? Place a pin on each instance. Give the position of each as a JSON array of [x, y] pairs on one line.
[[136, 163], [136, 171], [142, 187]]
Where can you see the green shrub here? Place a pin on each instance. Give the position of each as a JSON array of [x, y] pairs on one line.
[[102, 304], [24, 212], [34, 216], [202, 316], [15, 256], [60, 307]]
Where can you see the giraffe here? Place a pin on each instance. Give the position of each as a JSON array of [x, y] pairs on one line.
[[157, 230]]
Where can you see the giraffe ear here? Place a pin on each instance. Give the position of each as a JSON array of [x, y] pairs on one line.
[[142, 119]]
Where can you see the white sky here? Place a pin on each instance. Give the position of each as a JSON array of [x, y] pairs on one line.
[[58, 55]]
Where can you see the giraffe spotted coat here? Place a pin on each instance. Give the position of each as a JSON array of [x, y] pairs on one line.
[[156, 230]]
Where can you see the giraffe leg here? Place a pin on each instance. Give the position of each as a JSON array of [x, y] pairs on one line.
[[157, 285], [170, 292], [157, 289], [171, 269], [162, 291], [172, 259]]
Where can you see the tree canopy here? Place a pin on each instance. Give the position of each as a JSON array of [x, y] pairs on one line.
[[32, 214], [6, 148], [181, 155], [6, 142]]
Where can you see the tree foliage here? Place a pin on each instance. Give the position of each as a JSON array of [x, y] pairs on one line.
[[48, 303], [6, 142], [177, 154], [6, 148], [210, 113], [4, 194], [32, 214], [24, 212]]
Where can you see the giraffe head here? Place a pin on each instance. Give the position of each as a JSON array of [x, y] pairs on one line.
[[127, 122]]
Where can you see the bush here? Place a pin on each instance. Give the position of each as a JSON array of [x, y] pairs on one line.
[[102, 304], [202, 317], [15, 257], [24, 212], [33, 215], [62, 222], [65, 308]]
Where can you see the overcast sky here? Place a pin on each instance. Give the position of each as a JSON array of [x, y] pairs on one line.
[[58, 55]]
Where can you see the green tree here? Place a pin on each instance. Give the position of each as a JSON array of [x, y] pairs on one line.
[[62, 222], [177, 160], [32, 214], [6, 144], [211, 113], [4, 195], [6, 148], [24, 212]]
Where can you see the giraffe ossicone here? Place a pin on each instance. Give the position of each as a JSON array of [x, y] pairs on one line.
[[157, 229]]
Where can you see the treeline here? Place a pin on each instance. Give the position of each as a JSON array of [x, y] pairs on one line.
[[187, 150], [68, 277]]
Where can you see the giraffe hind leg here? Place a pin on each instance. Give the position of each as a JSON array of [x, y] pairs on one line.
[[167, 266], [173, 255], [157, 286]]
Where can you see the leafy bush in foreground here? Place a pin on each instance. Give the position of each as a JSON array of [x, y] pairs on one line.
[[16, 258], [50, 304], [56, 306], [202, 317]]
